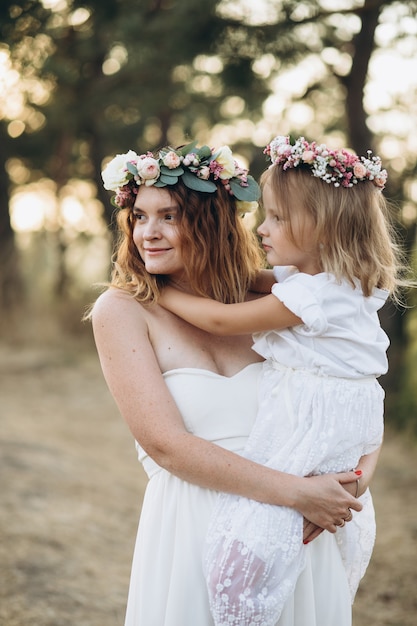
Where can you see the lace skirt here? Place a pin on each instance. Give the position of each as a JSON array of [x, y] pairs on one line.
[[307, 424]]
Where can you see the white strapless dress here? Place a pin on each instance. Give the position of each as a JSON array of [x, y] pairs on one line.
[[167, 586]]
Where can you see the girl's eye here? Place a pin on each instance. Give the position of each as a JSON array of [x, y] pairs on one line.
[[274, 216], [138, 217]]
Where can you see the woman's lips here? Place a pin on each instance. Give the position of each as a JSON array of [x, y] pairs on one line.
[[155, 251]]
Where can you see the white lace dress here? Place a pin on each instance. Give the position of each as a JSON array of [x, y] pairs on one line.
[[320, 410], [167, 586]]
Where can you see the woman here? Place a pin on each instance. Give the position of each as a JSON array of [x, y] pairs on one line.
[[189, 398]]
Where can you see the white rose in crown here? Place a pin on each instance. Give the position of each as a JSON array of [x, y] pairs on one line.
[[116, 174], [224, 157], [148, 170]]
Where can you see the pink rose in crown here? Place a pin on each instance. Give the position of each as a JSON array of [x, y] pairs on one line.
[[308, 156], [203, 172], [380, 179], [171, 160], [148, 170], [359, 170]]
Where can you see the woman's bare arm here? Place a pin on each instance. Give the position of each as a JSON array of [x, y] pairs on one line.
[[263, 281], [136, 383]]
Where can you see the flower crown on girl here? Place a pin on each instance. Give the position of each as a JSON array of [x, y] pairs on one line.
[[198, 168], [340, 167]]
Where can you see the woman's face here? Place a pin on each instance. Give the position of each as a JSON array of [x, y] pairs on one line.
[[156, 231]]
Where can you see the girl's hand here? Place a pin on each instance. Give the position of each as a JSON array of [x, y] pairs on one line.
[[367, 465], [310, 531]]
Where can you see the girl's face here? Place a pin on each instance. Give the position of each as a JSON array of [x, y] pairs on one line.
[[282, 249], [156, 231]]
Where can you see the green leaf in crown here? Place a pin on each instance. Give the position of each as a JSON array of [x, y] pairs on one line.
[[198, 184], [164, 180], [250, 193], [204, 153], [190, 147], [175, 171], [132, 168]]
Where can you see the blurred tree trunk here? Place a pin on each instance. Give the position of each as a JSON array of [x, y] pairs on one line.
[[60, 174], [361, 140], [31, 15], [11, 289], [363, 45]]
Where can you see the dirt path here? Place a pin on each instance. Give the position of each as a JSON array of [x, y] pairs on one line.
[[70, 500]]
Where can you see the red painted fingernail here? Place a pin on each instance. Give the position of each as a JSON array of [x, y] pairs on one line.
[[358, 472], [306, 541]]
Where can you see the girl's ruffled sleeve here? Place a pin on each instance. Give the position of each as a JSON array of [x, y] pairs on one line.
[[298, 293]]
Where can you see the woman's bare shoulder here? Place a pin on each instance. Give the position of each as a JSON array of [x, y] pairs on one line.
[[113, 294], [116, 303]]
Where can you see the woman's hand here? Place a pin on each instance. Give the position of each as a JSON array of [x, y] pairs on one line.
[[360, 480], [324, 501]]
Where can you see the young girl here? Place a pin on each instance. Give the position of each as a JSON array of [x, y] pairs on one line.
[[327, 234]]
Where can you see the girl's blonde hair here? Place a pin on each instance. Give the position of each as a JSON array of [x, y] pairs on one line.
[[221, 256], [353, 235]]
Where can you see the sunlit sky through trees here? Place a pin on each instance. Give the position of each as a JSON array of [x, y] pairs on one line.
[[392, 80]]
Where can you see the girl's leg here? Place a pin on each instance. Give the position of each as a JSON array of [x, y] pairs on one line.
[[253, 556]]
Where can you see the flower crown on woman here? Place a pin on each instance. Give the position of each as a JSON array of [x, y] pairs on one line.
[[198, 169], [340, 167]]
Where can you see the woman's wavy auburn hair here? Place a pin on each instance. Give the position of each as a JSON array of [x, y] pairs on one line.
[[221, 255], [353, 234]]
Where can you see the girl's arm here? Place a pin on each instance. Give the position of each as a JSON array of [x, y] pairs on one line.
[[266, 313], [367, 465], [134, 378]]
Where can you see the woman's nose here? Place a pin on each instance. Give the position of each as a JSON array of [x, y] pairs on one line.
[[152, 230]]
